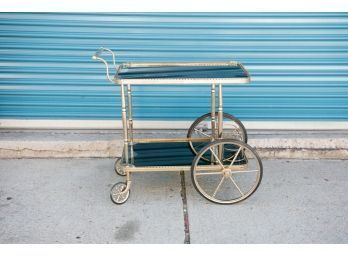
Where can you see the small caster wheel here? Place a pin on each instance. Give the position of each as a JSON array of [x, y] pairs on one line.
[[117, 194], [119, 168]]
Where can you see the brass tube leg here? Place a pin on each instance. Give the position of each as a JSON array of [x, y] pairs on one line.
[[213, 118], [130, 114], [130, 121], [124, 123], [220, 113], [220, 121]]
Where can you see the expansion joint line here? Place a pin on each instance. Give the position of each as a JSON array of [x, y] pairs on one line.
[[185, 211]]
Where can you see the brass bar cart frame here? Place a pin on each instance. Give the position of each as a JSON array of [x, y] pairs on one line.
[[126, 163]]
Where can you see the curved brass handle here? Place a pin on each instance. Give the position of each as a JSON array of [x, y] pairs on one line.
[[97, 55]]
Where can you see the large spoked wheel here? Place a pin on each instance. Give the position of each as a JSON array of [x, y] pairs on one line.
[[118, 194], [119, 168], [227, 180], [201, 129]]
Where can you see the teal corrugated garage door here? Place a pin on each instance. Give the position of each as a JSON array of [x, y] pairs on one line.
[[298, 63]]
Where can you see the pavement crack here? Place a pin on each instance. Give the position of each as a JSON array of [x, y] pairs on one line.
[[185, 210]]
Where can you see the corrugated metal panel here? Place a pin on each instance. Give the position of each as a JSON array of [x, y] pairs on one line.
[[298, 62]]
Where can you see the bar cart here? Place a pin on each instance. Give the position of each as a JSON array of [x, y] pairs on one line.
[[224, 168]]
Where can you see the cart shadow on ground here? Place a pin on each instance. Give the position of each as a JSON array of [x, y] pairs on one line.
[[67, 201]]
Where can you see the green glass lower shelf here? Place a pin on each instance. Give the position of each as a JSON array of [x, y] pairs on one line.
[[162, 154], [173, 154]]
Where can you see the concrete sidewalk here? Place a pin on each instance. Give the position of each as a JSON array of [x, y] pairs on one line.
[[67, 201], [304, 144]]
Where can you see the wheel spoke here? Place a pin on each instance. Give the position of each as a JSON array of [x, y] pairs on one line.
[[235, 184], [201, 132], [235, 157], [208, 173], [244, 171], [218, 187], [216, 158]]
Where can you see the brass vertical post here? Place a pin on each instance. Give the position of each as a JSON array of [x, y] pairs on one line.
[[124, 123], [213, 118], [220, 121], [220, 113], [130, 121]]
